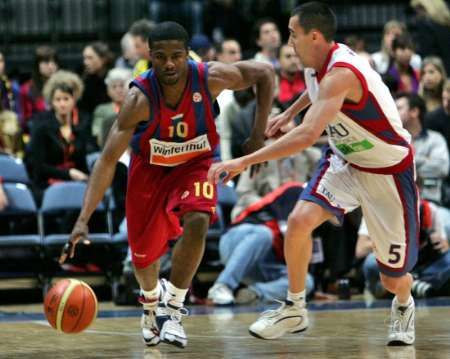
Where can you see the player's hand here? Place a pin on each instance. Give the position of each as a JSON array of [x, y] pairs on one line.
[[278, 125], [440, 243], [79, 233], [251, 145], [224, 171]]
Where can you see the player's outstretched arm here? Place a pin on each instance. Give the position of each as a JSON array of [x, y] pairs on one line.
[[334, 88], [134, 110], [241, 75]]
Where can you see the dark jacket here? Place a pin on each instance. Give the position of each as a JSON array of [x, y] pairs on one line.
[[50, 155]]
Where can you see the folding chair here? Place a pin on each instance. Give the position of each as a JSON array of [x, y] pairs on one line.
[[20, 242], [60, 208], [13, 170]]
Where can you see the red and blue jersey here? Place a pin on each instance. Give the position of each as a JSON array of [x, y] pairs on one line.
[[173, 136]]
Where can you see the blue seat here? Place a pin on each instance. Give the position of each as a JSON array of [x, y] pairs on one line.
[[61, 204], [20, 242], [13, 170]]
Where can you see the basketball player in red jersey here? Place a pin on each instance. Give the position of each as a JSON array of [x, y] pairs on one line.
[[168, 118]]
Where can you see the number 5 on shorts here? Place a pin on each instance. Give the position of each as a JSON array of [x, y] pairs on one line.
[[204, 189], [394, 253]]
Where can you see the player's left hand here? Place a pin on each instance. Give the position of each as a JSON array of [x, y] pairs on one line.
[[250, 145], [224, 171]]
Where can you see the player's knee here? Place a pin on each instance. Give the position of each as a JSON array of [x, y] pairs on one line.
[[301, 220], [196, 222]]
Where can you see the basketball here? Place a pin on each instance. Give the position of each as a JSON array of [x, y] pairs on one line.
[[70, 306]]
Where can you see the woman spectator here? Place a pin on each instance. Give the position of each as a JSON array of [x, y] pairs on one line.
[[58, 139], [401, 76], [432, 78], [31, 99], [117, 82], [97, 59], [382, 58], [433, 29]]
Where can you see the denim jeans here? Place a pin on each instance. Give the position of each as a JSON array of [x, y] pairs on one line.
[[437, 273], [247, 254]]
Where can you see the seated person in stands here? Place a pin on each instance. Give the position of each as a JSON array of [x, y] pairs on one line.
[[432, 271], [116, 81], [252, 250], [58, 139]]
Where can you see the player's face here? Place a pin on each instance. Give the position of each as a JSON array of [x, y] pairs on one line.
[[300, 41], [63, 103], [169, 61]]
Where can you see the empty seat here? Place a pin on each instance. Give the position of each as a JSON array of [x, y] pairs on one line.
[[13, 170]]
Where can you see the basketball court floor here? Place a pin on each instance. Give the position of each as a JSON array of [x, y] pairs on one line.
[[347, 329]]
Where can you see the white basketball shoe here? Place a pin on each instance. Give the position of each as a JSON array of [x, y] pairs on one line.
[[150, 331], [288, 318], [168, 318], [401, 329]]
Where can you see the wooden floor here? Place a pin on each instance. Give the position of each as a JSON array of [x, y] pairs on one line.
[[221, 333]]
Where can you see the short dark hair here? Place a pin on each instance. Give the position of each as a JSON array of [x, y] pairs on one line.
[[414, 101], [259, 24], [319, 16], [142, 28], [168, 30], [402, 41]]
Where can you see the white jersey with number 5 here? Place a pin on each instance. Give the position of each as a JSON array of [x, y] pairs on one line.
[[369, 134]]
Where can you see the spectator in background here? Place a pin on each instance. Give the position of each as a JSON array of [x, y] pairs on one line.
[[58, 137], [439, 120], [252, 250], [433, 29], [401, 76], [228, 52], [129, 56], [117, 81], [432, 78], [97, 60], [290, 76], [201, 45], [382, 58], [10, 133], [3, 197], [32, 101], [9, 90], [430, 149], [140, 32], [268, 39]]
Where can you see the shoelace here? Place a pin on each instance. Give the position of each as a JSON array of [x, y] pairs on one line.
[[178, 313], [273, 312]]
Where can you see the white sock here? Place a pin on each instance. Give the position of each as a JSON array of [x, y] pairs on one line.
[[297, 298], [175, 295], [408, 302], [151, 297]]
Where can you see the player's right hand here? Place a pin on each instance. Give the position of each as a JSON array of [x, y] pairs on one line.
[[79, 233], [276, 124]]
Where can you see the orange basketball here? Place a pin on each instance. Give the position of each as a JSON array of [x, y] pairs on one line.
[[70, 306]]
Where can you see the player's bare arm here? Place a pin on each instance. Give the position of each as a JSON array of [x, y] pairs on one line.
[[279, 124], [242, 75], [134, 110], [337, 86]]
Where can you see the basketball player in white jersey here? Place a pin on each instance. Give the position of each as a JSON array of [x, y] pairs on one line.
[[368, 163]]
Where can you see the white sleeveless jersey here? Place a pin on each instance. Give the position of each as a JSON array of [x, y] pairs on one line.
[[369, 135]]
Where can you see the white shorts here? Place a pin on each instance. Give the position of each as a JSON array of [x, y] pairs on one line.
[[389, 203]]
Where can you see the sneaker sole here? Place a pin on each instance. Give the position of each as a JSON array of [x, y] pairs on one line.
[[177, 344], [398, 343], [278, 336], [150, 344]]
